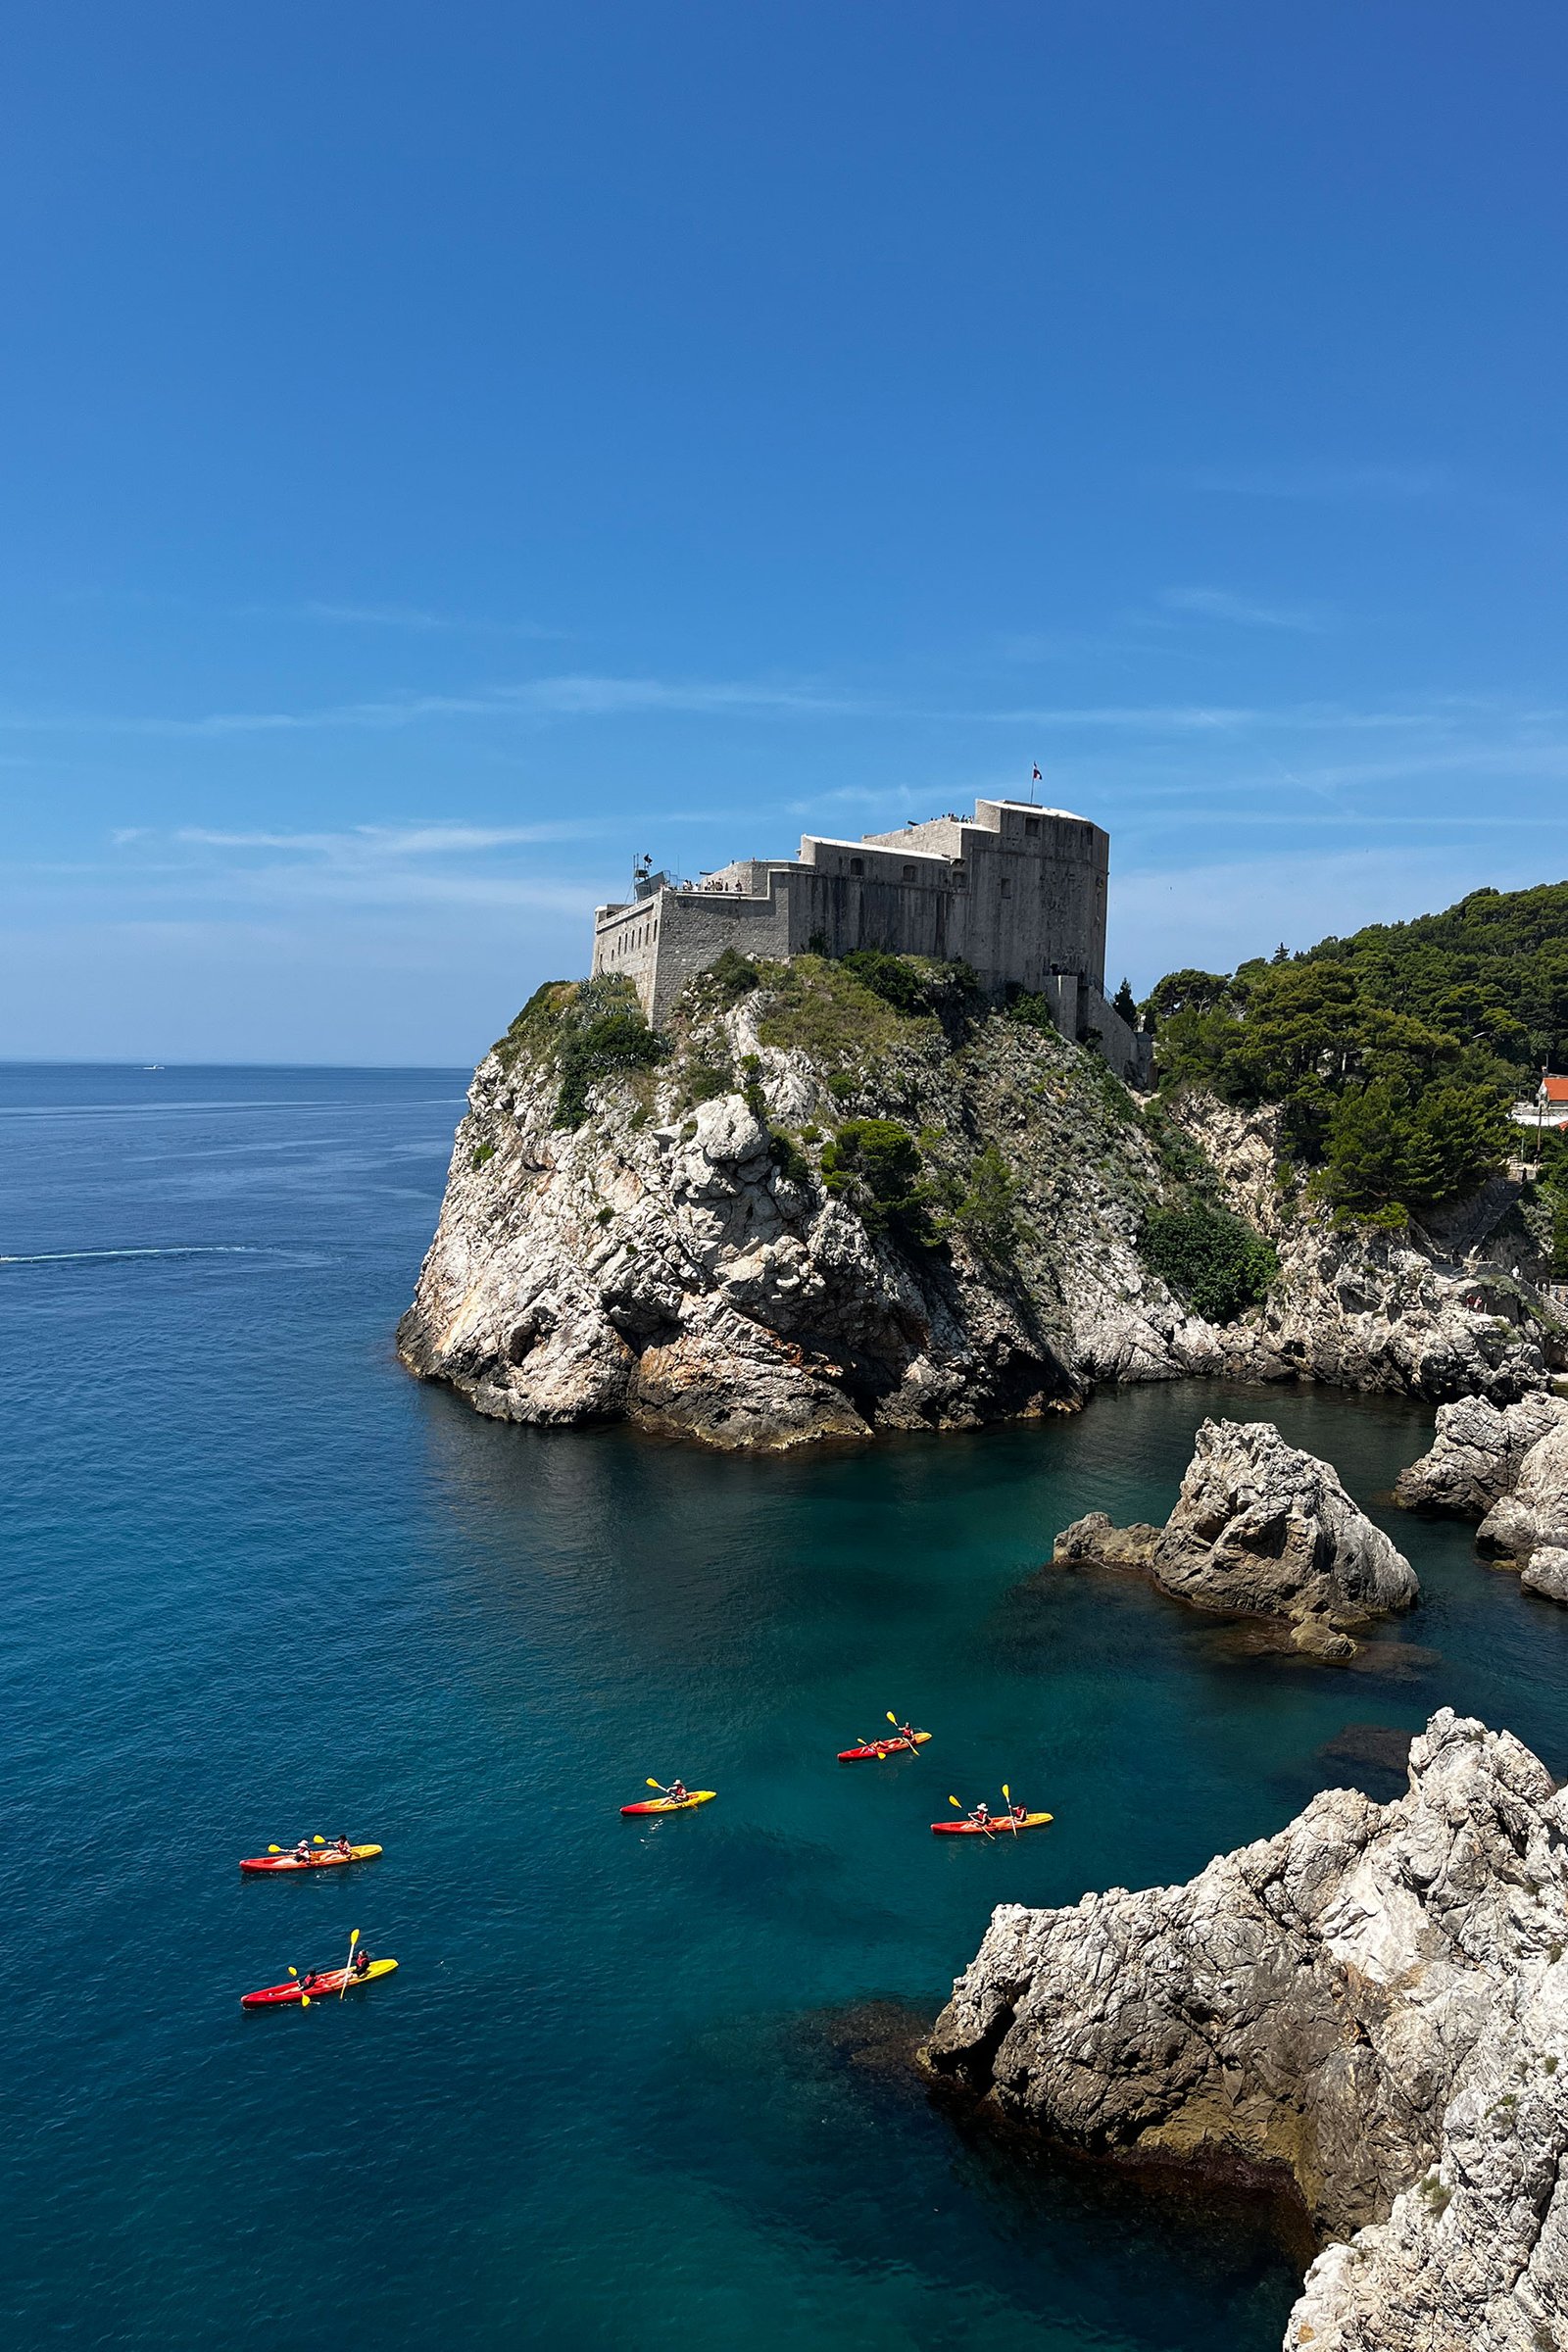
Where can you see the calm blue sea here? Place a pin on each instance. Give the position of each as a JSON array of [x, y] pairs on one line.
[[633, 2086]]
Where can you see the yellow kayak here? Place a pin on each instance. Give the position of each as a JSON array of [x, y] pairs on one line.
[[668, 1805]]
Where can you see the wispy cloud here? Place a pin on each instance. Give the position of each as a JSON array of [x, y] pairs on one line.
[[1324, 481], [574, 695], [1210, 719], [411, 616], [1243, 611], [384, 841]]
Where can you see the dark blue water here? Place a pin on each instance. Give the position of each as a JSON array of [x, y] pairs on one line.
[[632, 2086]]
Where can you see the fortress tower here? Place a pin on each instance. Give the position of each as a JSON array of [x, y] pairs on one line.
[[1016, 890]]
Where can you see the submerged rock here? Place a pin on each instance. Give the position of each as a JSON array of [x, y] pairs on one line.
[[1260, 1529], [1374, 2002]]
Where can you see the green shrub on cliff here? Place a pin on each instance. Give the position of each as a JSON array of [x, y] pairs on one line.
[[1213, 1263], [588, 1030], [987, 1210], [876, 1163]]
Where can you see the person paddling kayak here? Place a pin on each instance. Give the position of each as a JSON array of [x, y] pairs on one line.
[[302, 1852], [981, 1816], [676, 1792]]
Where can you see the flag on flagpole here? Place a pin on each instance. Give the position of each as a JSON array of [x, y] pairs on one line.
[[1038, 778]]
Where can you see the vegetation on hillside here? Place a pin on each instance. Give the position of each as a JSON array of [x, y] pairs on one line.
[[1396, 1052], [588, 1029], [1213, 1263]]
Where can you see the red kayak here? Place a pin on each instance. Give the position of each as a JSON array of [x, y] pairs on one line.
[[324, 1988], [1001, 1826], [880, 1749], [326, 1857]]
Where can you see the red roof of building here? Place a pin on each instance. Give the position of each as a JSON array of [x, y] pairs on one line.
[[1556, 1090]]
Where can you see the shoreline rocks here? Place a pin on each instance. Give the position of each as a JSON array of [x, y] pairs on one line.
[[1260, 1529], [1476, 1452], [1373, 2003], [1508, 1468]]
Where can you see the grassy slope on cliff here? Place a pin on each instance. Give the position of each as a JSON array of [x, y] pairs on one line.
[[1394, 1052]]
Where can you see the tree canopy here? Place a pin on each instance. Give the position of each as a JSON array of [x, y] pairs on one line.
[[1396, 1052]]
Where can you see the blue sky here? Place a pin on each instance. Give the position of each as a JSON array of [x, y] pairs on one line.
[[448, 452]]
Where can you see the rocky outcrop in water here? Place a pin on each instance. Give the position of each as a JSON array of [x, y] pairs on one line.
[[1374, 2004], [704, 1244], [1260, 1529], [1508, 1468], [1534, 1513], [1477, 1453]]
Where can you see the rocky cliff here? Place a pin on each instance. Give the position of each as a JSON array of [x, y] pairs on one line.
[[810, 1211], [1507, 1467], [1373, 2003], [1265, 1530]]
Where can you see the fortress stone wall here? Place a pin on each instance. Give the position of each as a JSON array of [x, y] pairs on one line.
[[1015, 891]]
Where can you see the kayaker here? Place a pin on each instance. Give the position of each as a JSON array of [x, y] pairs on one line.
[[302, 1852], [310, 1980], [1018, 1812], [676, 1792], [981, 1816], [344, 1849], [906, 1733], [362, 1962]]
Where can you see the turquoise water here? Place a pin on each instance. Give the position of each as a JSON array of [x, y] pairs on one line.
[[633, 2084]]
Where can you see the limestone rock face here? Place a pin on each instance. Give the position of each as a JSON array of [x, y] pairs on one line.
[[1477, 1453], [1535, 1512], [665, 1269], [1546, 1572], [1265, 1530], [1374, 2002], [660, 1260], [1354, 1307]]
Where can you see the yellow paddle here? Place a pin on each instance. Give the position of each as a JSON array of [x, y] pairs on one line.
[[343, 1987], [1012, 1823], [318, 1840], [893, 1719]]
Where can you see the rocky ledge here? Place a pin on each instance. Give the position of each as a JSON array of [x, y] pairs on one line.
[[1260, 1529], [807, 1212], [1507, 1467], [1373, 2004]]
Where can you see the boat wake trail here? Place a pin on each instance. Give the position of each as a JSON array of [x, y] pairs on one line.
[[62, 1257]]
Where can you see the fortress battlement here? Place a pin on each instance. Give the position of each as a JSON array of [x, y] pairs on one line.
[[1016, 890]]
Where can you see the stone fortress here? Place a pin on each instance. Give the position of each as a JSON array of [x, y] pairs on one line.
[[1016, 890]]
